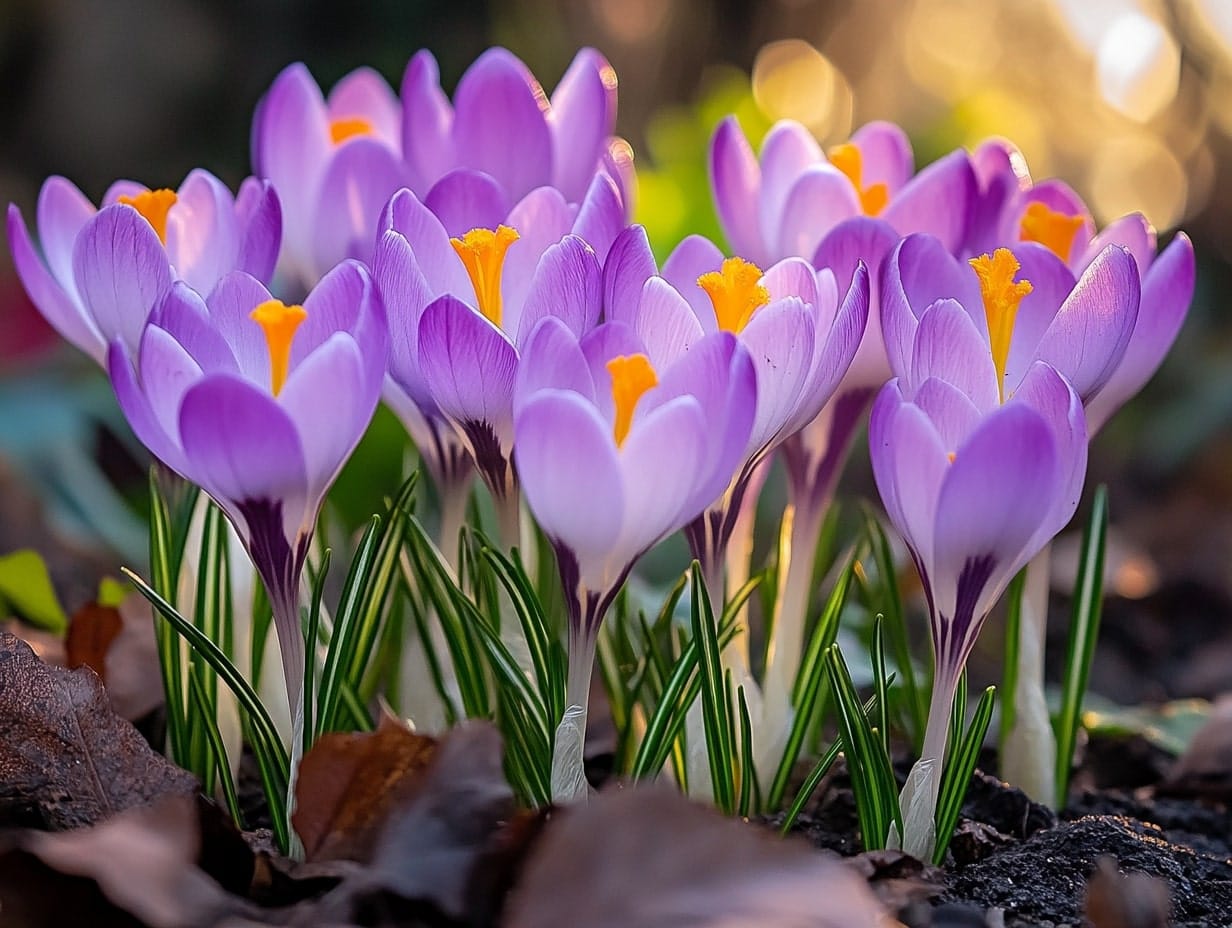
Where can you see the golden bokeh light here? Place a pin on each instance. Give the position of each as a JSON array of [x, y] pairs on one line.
[[1138, 66], [793, 80], [1137, 172]]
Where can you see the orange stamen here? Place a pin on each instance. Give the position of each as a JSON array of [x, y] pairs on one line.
[[736, 292], [848, 159], [483, 255], [632, 376], [1002, 294], [279, 323], [153, 205], [1054, 230], [347, 127]]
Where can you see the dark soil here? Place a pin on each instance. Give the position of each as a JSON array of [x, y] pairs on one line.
[[1015, 863]]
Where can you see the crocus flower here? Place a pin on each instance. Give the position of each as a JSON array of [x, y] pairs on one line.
[[259, 403], [976, 487], [464, 294], [103, 270], [614, 454], [796, 326], [1026, 305], [336, 161]]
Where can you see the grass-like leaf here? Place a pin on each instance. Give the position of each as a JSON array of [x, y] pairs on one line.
[[807, 694], [1009, 670], [268, 748], [868, 764], [206, 717], [1083, 632], [961, 758], [716, 706]]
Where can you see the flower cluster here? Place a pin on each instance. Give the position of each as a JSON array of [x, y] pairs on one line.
[[472, 262]]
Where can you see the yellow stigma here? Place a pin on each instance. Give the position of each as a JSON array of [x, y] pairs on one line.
[[632, 376], [483, 254], [1055, 231], [736, 292], [279, 322], [347, 127], [154, 205], [1002, 294], [847, 158]]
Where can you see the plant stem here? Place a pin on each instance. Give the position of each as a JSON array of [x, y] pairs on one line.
[[918, 799], [568, 766], [1029, 754]]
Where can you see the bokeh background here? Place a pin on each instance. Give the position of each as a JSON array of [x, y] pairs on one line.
[[1130, 101]]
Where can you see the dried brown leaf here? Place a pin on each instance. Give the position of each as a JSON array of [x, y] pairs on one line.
[[66, 759], [348, 783], [91, 632], [1136, 900], [651, 858], [140, 862]]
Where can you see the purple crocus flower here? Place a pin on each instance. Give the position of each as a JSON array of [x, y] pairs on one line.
[[614, 454], [976, 487], [259, 404], [1025, 303], [800, 331], [336, 161], [103, 270], [464, 289]]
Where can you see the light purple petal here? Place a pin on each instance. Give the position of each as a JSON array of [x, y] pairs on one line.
[[361, 177], [662, 458], [567, 465], [601, 215], [735, 180], [608, 341], [1091, 331], [779, 339], [231, 305], [938, 201], [918, 273], [630, 263], [1132, 232], [364, 94], [665, 322], [1002, 484], [56, 305], [836, 350], [346, 300], [796, 277], [552, 359], [166, 371], [138, 411], [333, 377], [241, 445], [259, 215], [184, 317], [581, 120], [950, 411], [469, 366], [499, 126], [121, 271], [464, 200], [948, 346], [202, 238], [406, 215], [427, 123], [788, 151], [1051, 283], [1166, 293], [404, 291], [542, 218], [885, 155], [62, 212], [689, 260], [1047, 392], [821, 199], [568, 284]]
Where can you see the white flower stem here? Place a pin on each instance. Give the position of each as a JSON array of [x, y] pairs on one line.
[[568, 768], [1029, 754], [918, 799]]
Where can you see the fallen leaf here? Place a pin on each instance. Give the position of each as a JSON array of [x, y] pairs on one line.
[[66, 759], [134, 678], [141, 862], [1136, 900], [347, 784], [651, 858], [90, 633], [47, 646]]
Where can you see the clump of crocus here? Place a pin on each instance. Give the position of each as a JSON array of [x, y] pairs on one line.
[[103, 270], [228, 391], [462, 307], [976, 480], [336, 161], [1105, 332], [616, 450]]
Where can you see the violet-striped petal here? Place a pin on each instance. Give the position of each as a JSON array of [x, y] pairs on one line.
[[582, 118], [230, 306], [694, 256], [463, 200], [602, 214], [630, 263], [353, 192], [820, 199], [552, 358], [948, 345], [407, 215], [138, 411], [427, 123], [203, 240], [568, 284], [735, 181], [885, 155], [61, 213], [938, 200], [259, 214]]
